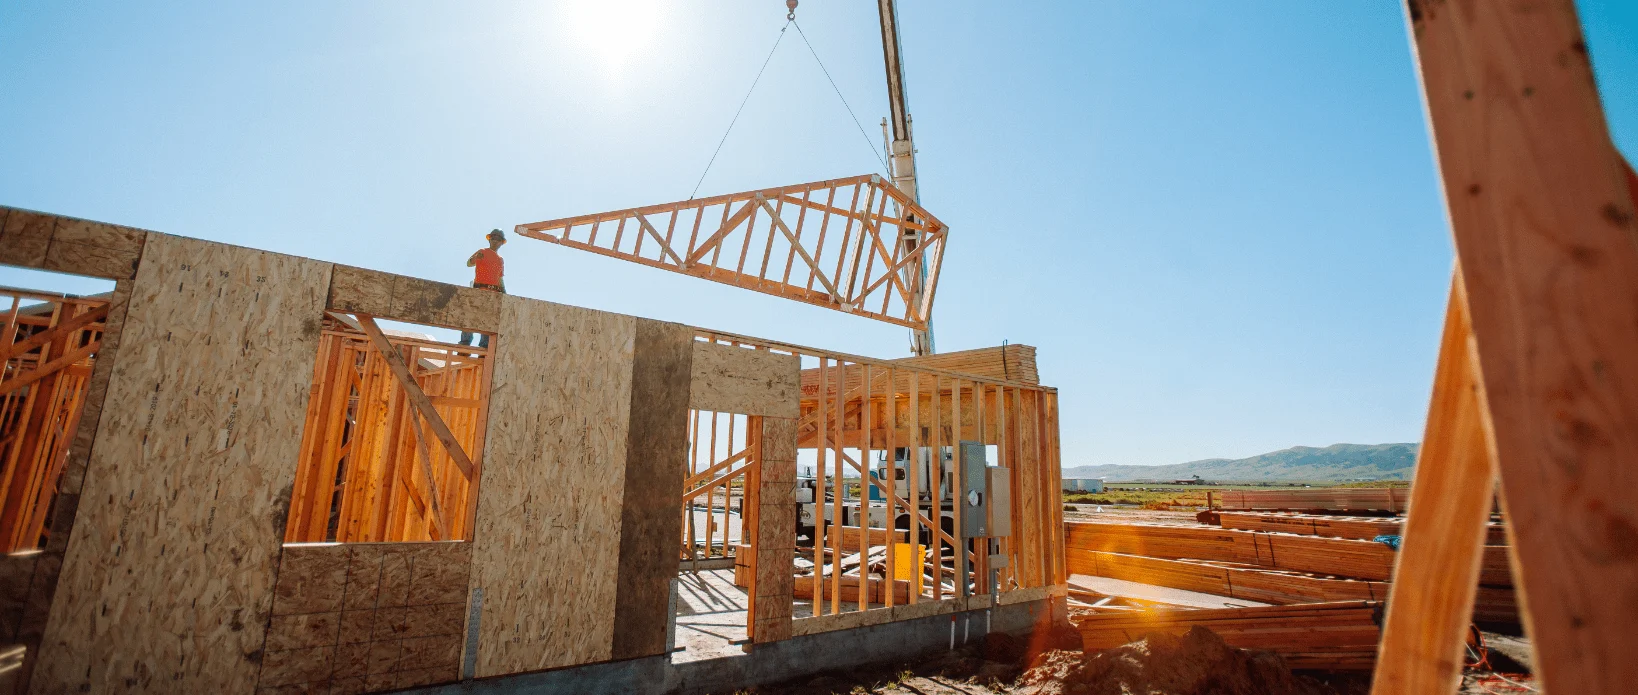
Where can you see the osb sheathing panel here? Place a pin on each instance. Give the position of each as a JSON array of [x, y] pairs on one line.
[[546, 545], [729, 379], [69, 245], [656, 458], [413, 299], [168, 578]]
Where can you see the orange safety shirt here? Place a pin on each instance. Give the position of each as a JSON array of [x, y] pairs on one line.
[[489, 268]]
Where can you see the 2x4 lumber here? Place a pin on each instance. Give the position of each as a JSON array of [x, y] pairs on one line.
[[890, 519], [864, 492], [436, 513], [1438, 566], [71, 325], [836, 503], [1544, 233], [797, 246], [416, 396], [49, 368]]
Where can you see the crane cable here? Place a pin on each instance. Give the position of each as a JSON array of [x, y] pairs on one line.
[[873, 151], [765, 61], [790, 20]]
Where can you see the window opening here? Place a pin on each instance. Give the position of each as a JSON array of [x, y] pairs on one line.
[[383, 460], [51, 341]]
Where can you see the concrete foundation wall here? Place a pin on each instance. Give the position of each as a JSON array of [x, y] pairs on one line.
[[776, 662]]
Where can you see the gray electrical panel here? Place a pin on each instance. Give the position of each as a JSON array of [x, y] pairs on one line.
[[974, 500], [1000, 501]]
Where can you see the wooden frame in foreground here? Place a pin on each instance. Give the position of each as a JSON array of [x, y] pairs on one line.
[[1537, 383]]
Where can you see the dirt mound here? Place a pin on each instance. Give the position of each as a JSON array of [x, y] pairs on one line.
[[1198, 663]]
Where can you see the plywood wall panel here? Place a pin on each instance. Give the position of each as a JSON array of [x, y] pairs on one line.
[[656, 456], [547, 541], [69, 245], [413, 299], [733, 379], [168, 578]]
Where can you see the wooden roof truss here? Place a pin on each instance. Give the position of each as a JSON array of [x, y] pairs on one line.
[[853, 244]]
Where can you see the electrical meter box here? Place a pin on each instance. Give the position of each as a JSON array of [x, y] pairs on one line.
[[974, 499], [1000, 501]]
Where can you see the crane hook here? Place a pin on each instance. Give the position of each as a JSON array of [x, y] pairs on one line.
[[790, 5]]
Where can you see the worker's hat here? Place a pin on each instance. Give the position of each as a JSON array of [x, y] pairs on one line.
[[497, 234]]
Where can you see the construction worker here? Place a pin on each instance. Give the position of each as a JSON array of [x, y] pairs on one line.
[[488, 274]]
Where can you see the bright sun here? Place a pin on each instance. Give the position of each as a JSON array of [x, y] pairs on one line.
[[610, 33]]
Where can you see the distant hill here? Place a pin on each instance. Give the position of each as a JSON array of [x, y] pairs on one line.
[[1338, 463]]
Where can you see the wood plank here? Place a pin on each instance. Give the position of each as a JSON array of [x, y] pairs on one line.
[[74, 323], [224, 361], [731, 379], [1437, 572], [49, 368], [547, 539], [1544, 230], [656, 455], [417, 397]]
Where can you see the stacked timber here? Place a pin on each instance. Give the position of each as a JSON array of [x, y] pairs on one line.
[[1329, 636], [1385, 499], [1287, 551], [1007, 363], [1278, 568], [1198, 542], [1235, 580], [1014, 363], [1362, 528], [876, 589]]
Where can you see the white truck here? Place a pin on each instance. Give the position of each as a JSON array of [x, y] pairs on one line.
[[875, 501]]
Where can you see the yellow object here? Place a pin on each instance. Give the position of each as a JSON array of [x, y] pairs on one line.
[[907, 563]]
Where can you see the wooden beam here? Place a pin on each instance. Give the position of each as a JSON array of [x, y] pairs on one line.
[[439, 526], [666, 247], [798, 246], [1544, 232], [417, 397], [1436, 574], [46, 336], [721, 233], [48, 368], [707, 473]]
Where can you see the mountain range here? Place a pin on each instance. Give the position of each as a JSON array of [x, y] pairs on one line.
[[1335, 463]]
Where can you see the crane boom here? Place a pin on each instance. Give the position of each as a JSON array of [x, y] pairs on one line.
[[902, 158]]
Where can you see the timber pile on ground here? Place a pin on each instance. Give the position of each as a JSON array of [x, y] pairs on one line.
[[1341, 557], [1362, 528], [1337, 499], [1268, 567], [1337, 636]]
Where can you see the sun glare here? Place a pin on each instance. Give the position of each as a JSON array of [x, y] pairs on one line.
[[611, 34]]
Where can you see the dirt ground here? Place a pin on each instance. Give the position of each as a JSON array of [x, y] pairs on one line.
[[1198, 664], [1195, 664]]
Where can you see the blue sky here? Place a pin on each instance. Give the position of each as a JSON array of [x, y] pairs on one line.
[[1219, 222]]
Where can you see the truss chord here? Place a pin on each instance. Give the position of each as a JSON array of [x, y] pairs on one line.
[[842, 273]]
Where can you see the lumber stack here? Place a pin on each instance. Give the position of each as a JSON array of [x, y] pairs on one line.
[[876, 588], [1385, 499], [1362, 528], [1198, 542], [1330, 636], [1225, 579], [1338, 556], [1344, 557], [1008, 363]]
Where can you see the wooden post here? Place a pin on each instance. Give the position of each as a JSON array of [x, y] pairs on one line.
[[1437, 572], [1545, 236]]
